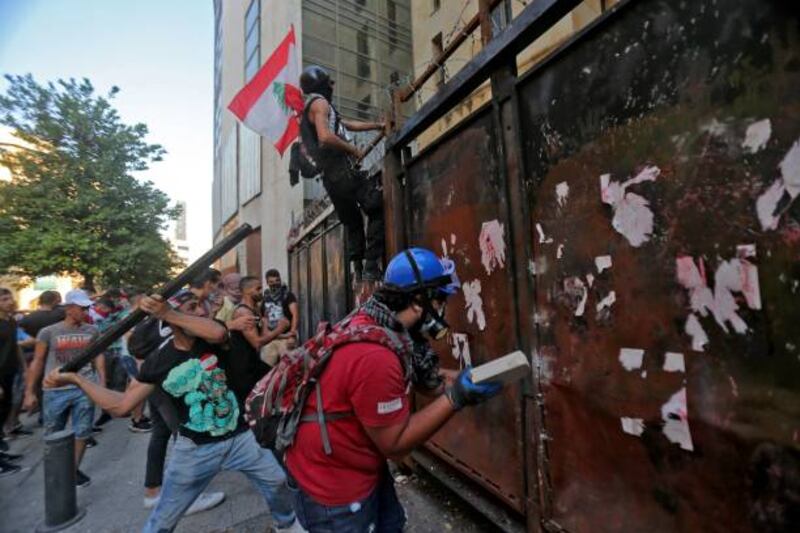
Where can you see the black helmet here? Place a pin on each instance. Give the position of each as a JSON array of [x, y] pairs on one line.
[[315, 79]]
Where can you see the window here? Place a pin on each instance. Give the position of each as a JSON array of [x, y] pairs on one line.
[[436, 6], [362, 47], [364, 106], [391, 14], [499, 18], [252, 39], [436, 44]]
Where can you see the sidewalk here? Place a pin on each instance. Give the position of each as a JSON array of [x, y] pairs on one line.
[[114, 499]]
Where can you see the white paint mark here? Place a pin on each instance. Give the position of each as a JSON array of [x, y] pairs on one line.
[[460, 349], [493, 246], [757, 136], [631, 358], [562, 193], [632, 215], [734, 386], [714, 127], [790, 170], [644, 374], [531, 267], [560, 251], [607, 302], [735, 275], [767, 203], [696, 331], [675, 414], [544, 366], [673, 362], [586, 70], [474, 303], [632, 426], [590, 279], [602, 262], [542, 238], [767, 206], [576, 289], [749, 275]]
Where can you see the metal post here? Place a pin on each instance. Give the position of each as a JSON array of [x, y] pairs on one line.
[[60, 500]]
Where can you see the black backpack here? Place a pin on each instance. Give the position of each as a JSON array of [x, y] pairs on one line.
[[301, 164]]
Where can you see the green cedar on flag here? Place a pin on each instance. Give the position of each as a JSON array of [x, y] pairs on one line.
[[272, 102]]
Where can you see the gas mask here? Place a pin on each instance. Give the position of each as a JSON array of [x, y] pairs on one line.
[[433, 324]]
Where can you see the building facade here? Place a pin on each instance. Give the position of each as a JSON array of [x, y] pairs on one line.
[[436, 22], [366, 44]]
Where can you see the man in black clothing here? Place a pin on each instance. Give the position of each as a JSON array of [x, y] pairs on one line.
[[11, 362], [278, 304], [325, 136]]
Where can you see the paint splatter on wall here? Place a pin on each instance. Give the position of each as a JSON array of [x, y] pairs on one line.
[[576, 291], [460, 349], [757, 136], [737, 275], [492, 245], [632, 215], [543, 239], [562, 193], [602, 262], [631, 358], [675, 414], [632, 426], [777, 199], [673, 362], [474, 303]]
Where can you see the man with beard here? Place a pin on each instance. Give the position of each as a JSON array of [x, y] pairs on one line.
[[246, 344], [279, 303], [231, 295]]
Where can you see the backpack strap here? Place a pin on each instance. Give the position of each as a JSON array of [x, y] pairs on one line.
[[320, 417]]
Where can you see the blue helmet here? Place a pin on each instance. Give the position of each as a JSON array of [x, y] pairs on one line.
[[418, 269]]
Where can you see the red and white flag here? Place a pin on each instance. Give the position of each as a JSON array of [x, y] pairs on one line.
[[271, 102]]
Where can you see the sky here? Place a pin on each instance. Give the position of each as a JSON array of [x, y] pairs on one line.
[[161, 56]]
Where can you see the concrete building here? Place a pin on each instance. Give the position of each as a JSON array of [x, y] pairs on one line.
[[177, 236], [364, 43], [436, 22]]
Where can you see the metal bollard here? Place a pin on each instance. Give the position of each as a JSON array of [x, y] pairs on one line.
[[60, 499]]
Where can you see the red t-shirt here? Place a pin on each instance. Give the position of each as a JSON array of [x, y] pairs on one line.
[[365, 378]]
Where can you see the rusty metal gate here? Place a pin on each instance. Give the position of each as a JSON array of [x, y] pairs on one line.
[[626, 214]]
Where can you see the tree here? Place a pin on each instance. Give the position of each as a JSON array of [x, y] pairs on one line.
[[72, 205]]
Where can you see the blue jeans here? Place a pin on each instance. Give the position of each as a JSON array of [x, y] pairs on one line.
[[59, 404], [192, 466], [380, 512]]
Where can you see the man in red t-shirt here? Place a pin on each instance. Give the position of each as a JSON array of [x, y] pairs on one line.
[[350, 488]]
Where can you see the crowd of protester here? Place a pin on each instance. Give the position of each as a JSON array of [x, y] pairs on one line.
[[194, 365]]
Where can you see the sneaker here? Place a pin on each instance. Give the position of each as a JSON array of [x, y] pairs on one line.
[[206, 501], [5, 456], [91, 442], [151, 501], [143, 425], [82, 480], [104, 419], [294, 528], [7, 469]]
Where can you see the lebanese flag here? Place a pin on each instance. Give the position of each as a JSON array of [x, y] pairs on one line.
[[272, 102]]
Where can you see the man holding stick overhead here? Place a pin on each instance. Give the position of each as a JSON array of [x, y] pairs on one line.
[[193, 370]]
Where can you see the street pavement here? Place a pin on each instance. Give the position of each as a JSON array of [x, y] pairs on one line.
[[113, 501]]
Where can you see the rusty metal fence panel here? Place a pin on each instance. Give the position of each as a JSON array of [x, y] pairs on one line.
[[457, 206], [319, 277], [663, 158]]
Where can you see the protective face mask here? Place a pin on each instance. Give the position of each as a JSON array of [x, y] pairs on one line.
[[434, 326]]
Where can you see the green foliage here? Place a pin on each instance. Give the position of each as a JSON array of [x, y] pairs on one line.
[[72, 205]]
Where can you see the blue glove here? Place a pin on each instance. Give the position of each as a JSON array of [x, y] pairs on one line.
[[464, 392]]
